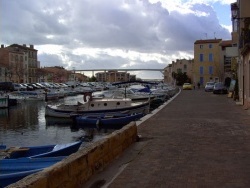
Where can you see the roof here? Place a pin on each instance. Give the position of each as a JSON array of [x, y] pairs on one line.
[[226, 43], [23, 47], [208, 41]]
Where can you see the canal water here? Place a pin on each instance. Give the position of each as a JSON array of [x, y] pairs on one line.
[[26, 125]]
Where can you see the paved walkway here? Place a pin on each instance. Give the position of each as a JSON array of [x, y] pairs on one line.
[[198, 140]]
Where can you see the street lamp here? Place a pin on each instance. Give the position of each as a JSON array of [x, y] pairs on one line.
[[234, 10]]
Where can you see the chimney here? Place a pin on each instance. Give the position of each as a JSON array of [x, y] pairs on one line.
[[24, 45], [32, 46], [2, 45]]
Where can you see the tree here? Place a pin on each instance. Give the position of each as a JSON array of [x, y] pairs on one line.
[[180, 78], [92, 79]]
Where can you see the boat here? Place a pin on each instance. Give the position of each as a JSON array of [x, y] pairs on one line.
[[4, 100], [7, 179], [27, 96], [95, 106], [106, 120], [13, 170], [27, 163], [124, 93], [41, 151]]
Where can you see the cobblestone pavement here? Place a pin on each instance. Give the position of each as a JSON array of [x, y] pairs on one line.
[[198, 140]]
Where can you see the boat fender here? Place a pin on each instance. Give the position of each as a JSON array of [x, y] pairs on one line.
[[98, 123], [85, 95]]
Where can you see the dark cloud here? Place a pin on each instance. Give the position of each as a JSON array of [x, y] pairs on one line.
[[128, 25], [48, 60]]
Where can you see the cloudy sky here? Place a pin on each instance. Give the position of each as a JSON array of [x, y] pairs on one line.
[[96, 34]]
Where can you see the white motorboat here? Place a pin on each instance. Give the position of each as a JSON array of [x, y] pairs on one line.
[[97, 106]]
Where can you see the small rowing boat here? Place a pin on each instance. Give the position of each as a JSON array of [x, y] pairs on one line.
[[41, 151], [13, 170]]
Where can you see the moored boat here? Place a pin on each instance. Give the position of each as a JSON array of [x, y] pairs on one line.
[[13, 170], [106, 120], [4, 100], [98, 106], [26, 163], [27, 96], [41, 151]]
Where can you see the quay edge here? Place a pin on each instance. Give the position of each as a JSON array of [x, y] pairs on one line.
[[79, 167]]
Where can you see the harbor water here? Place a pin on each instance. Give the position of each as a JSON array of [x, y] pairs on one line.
[[26, 125]]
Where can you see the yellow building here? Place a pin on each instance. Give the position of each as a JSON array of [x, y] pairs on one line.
[[208, 61]]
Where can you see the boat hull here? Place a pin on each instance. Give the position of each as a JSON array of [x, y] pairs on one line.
[[13, 170], [43, 151], [110, 121], [4, 101]]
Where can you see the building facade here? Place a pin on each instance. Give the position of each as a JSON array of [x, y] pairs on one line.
[[18, 63], [208, 61], [112, 76], [241, 37], [180, 65], [168, 74]]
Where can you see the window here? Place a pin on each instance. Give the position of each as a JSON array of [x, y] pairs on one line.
[[201, 57], [210, 46], [210, 57], [210, 69], [185, 67], [201, 46], [201, 70]]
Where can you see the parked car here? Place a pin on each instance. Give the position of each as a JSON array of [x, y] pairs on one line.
[[28, 87], [187, 86], [209, 86], [19, 87], [220, 88]]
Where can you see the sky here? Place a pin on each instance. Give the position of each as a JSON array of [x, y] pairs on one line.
[[113, 34]]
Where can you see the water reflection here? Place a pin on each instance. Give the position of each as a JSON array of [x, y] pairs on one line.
[[25, 125]]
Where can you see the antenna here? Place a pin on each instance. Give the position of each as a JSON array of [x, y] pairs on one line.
[[214, 35]]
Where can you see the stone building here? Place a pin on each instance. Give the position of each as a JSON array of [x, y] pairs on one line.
[[241, 37], [112, 76], [180, 65], [18, 63], [168, 74]]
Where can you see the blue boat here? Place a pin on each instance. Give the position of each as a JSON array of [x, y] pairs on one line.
[[106, 120], [42, 151], [13, 170]]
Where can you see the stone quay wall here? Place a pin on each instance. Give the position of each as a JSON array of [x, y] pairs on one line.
[[76, 169]]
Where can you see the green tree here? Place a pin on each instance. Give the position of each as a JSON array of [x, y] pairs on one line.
[[92, 79], [180, 78]]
